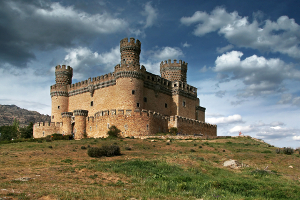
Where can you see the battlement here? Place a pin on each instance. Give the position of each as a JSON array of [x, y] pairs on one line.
[[63, 68], [125, 44], [174, 63]]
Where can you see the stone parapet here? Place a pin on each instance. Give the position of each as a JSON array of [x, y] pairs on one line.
[[81, 113]]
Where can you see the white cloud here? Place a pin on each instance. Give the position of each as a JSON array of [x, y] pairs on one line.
[[166, 53], [281, 36], [79, 20], [225, 120], [186, 44], [261, 76], [296, 137], [85, 62], [243, 129], [209, 23], [151, 15]]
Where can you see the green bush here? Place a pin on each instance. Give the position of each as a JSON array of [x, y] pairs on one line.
[[97, 152], [173, 130], [83, 147], [288, 150], [113, 132]]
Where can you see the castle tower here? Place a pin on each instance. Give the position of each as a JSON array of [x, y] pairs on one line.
[[173, 71], [129, 76], [130, 51], [80, 123], [67, 126], [59, 92]]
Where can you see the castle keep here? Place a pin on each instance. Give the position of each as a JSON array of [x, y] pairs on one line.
[[137, 102]]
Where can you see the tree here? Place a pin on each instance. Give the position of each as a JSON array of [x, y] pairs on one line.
[[27, 132]]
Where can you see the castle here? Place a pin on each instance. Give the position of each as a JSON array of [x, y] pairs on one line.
[[137, 102]]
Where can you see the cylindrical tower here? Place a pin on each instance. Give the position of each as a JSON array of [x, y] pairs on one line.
[[59, 92], [67, 126], [130, 51], [173, 71], [80, 123], [129, 76]]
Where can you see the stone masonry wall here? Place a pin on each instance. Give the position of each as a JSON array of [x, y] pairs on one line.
[[41, 129]]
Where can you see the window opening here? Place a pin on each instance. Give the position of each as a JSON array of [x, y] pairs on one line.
[[133, 91], [166, 105], [58, 107], [137, 104], [107, 125], [145, 99], [183, 103], [92, 103]]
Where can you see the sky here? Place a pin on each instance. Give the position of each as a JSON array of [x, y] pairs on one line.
[[243, 56]]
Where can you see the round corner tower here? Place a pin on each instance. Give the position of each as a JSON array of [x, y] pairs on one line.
[[59, 92], [173, 71], [129, 75]]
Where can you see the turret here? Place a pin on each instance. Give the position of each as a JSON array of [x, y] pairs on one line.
[[63, 75], [59, 92], [173, 71], [130, 51]]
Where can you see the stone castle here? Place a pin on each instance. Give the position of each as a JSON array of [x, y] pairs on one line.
[[137, 102]]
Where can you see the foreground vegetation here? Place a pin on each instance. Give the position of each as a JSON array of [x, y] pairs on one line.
[[147, 169]]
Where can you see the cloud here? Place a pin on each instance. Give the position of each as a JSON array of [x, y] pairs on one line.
[[225, 120], [260, 75], [220, 93], [27, 28], [289, 99], [243, 129], [296, 137], [166, 53], [225, 49], [151, 15], [209, 23], [85, 62], [186, 44], [267, 36]]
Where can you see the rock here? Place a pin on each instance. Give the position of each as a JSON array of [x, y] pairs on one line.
[[23, 179], [168, 140], [291, 167], [153, 140], [234, 164]]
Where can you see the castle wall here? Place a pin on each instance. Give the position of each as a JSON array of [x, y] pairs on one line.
[[131, 123], [59, 105], [187, 126], [41, 129]]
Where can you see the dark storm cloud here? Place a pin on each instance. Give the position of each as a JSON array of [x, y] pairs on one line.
[[33, 26]]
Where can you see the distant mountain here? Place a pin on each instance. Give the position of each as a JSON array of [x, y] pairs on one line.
[[10, 112]]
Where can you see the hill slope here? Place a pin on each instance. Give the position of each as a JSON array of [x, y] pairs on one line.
[[10, 112]]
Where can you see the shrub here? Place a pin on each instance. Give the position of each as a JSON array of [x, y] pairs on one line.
[[195, 144], [50, 147], [112, 150], [83, 147], [113, 132], [168, 143], [127, 148], [192, 150], [288, 150], [173, 130], [200, 147], [278, 151]]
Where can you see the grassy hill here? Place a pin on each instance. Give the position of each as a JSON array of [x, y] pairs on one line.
[[180, 169]]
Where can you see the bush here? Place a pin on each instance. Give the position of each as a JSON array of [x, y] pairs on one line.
[[278, 151], [97, 152], [83, 147], [192, 150], [127, 148], [173, 130], [288, 150], [113, 132]]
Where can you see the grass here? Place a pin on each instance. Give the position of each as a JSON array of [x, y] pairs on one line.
[[148, 171]]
